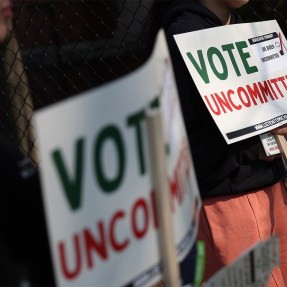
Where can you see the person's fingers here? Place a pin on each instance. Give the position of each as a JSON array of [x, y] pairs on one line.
[[280, 130]]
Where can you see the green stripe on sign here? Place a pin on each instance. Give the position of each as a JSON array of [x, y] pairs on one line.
[[200, 263]]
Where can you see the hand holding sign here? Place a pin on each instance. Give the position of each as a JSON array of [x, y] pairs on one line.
[[282, 130], [280, 134]]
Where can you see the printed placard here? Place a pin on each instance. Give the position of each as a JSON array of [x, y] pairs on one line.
[[95, 173], [269, 144], [240, 73], [251, 269]]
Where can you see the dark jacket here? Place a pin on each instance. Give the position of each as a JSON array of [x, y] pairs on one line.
[[24, 249], [221, 169]]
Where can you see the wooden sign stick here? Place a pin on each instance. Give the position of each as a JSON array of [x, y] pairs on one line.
[[282, 144], [162, 198]]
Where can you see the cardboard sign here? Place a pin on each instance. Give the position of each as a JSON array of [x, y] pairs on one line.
[[251, 269], [269, 144], [240, 72], [96, 179]]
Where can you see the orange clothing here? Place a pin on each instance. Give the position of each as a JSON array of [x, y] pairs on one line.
[[231, 224]]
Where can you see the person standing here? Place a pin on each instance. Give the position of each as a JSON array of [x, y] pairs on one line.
[[24, 249], [243, 191]]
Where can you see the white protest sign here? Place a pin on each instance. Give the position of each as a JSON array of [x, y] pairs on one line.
[[95, 173], [240, 72], [253, 268]]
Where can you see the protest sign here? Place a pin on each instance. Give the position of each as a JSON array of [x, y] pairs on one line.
[[269, 144], [95, 173], [253, 268], [240, 72]]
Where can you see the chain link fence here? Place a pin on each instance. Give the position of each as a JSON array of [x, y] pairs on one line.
[[59, 48]]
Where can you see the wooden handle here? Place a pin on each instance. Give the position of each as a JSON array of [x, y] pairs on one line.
[[282, 144], [162, 195]]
